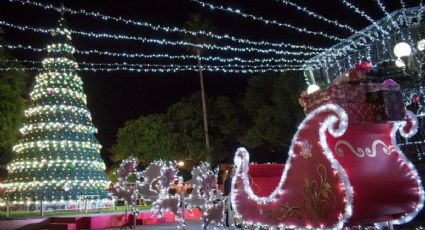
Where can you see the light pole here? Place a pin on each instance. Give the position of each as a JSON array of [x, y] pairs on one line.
[[204, 105]]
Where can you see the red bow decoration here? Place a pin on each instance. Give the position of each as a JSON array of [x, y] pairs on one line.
[[365, 66]]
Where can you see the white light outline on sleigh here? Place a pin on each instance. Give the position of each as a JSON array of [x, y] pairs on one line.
[[328, 125]]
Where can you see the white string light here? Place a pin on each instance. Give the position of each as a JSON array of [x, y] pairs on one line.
[[382, 7], [354, 46], [166, 56], [156, 70], [421, 11], [137, 65], [403, 7], [161, 41], [318, 16], [165, 28], [363, 14], [191, 57], [271, 22]]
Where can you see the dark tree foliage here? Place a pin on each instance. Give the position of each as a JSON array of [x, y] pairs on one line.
[[196, 22], [13, 92], [264, 121], [271, 104]]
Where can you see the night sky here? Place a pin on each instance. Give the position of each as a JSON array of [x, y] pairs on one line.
[[116, 97]]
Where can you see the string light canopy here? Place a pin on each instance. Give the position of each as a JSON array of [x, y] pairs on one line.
[[402, 25], [266, 21], [161, 41], [166, 28], [164, 56]]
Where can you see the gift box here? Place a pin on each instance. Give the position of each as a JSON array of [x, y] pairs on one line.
[[355, 93], [351, 76], [394, 109], [355, 75], [332, 94], [360, 112], [387, 101]]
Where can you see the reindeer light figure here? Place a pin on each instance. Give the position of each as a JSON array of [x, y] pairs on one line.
[[204, 194]]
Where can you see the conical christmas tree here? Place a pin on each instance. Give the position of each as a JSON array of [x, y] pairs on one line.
[[57, 158]]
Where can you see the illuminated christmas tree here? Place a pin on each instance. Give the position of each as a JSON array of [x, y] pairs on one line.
[[57, 157]]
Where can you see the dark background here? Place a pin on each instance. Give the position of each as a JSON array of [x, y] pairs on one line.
[[116, 97]]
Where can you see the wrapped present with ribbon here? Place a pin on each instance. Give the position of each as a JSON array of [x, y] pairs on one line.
[[360, 112], [337, 94], [331, 94], [387, 101], [351, 76], [355, 93]]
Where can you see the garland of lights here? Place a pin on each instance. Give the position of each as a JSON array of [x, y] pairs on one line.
[[46, 109], [40, 93], [363, 14], [318, 16], [365, 41], [157, 70], [261, 19], [382, 7], [25, 186], [403, 7], [159, 41], [163, 56], [20, 165], [50, 126], [49, 144], [164, 28], [46, 62], [421, 11], [334, 61]]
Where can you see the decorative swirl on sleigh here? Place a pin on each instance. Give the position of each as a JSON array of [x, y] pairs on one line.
[[360, 152]]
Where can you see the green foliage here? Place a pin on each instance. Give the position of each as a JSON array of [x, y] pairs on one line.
[[148, 137], [271, 102], [13, 89], [266, 117], [186, 115]]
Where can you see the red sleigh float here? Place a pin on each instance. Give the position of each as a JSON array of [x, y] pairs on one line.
[[338, 173]]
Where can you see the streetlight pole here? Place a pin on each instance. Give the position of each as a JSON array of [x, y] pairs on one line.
[[204, 105]]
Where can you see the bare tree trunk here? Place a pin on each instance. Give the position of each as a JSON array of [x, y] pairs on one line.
[[204, 105]]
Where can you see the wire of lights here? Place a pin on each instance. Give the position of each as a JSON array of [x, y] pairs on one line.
[[421, 11], [124, 64], [382, 7], [269, 22], [164, 56], [403, 7], [330, 52], [166, 28], [318, 16], [161, 41], [189, 66], [363, 14], [155, 70]]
